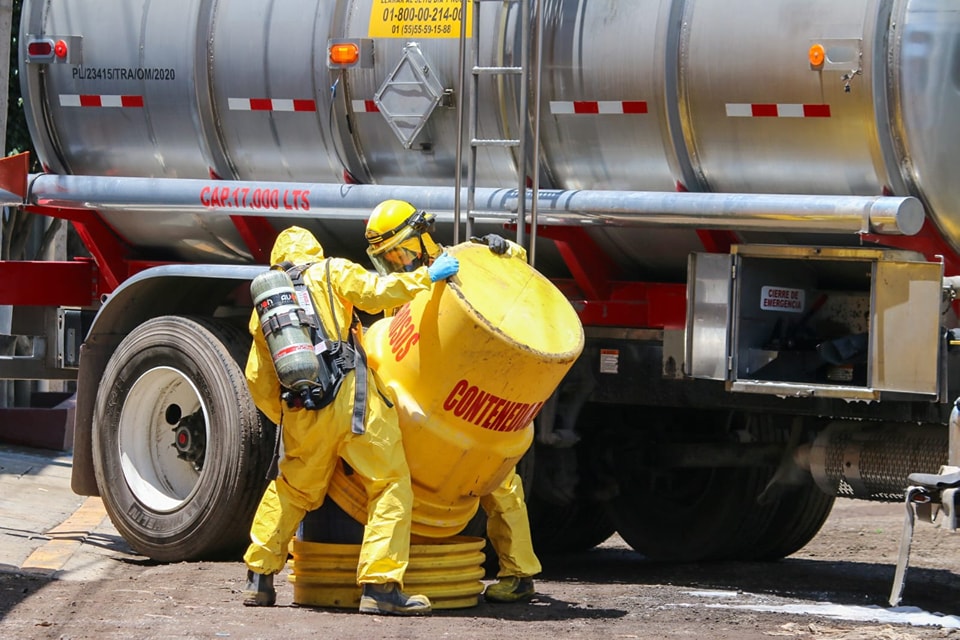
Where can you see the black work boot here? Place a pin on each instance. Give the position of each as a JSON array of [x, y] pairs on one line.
[[388, 599], [259, 591], [510, 589]]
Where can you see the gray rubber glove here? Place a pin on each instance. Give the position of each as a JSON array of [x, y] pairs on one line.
[[495, 243]]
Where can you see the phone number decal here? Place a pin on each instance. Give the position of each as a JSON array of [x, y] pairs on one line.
[[418, 18]]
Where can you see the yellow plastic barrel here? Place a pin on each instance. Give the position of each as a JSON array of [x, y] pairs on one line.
[[470, 363], [446, 571]]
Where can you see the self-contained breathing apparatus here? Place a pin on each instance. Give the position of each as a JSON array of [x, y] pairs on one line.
[[310, 366]]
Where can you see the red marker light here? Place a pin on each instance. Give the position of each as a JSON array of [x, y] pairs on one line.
[[60, 49], [40, 48]]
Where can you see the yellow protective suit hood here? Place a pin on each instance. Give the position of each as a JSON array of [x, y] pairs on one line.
[[296, 245]]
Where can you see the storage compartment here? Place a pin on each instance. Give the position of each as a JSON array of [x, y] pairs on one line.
[[803, 321]]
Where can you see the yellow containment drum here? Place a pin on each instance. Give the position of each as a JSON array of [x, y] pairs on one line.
[[470, 363], [449, 572]]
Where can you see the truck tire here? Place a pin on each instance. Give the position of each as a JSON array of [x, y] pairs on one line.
[[703, 513], [565, 516], [179, 449], [664, 512], [799, 514], [794, 508], [700, 517], [573, 528]]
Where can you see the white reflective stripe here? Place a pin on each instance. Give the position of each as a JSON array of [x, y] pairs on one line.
[[790, 110], [98, 100], [767, 110], [610, 106], [598, 107], [238, 104], [364, 106], [282, 104], [739, 110]]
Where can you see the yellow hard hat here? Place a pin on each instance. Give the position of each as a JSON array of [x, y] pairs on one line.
[[386, 219], [399, 238]]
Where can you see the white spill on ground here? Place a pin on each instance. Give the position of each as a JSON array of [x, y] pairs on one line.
[[912, 616]]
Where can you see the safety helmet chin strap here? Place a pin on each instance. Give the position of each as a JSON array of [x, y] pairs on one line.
[[425, 255]]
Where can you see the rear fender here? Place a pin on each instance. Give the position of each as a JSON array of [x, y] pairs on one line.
[[191, 290]]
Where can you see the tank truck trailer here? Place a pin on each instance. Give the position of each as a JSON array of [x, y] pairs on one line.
[[753, 210]]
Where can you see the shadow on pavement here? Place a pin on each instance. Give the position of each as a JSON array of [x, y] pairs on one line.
[[837, 582]]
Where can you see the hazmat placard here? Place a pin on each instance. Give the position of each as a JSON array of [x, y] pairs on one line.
[[418, 18]]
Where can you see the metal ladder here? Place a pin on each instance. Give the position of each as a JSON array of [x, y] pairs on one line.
[[471, 96]]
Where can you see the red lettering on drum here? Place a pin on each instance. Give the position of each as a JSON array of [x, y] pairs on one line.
[[403, 334], [486, 410]]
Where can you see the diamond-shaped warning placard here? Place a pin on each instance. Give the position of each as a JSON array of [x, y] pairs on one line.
[[408, 96]]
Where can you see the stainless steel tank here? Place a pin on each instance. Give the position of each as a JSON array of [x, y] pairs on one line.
[[760, 96]]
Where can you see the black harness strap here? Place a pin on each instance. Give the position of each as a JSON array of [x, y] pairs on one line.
[[349, 353], [279, 321], [357, 425]]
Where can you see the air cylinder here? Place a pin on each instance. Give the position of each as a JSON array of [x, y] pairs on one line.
[[469, 364], [288, 338]]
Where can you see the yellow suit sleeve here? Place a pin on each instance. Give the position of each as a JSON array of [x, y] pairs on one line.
[[374, 293]]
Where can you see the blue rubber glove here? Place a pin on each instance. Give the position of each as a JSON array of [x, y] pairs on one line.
[[443, 267]]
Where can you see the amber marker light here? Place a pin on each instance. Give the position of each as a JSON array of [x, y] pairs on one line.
[[817, 55], [344, 53]]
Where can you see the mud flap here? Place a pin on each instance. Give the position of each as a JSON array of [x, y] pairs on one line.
[[928, 490]]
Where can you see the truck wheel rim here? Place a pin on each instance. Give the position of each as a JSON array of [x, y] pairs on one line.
[[153, 466]]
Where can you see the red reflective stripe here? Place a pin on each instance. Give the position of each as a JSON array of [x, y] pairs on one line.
[[816, 111], [764, 110], [261, 104], [370, 106], [90, 101], [294, 348], [304, 105], [634, 106], [585, 107], [131, 101]]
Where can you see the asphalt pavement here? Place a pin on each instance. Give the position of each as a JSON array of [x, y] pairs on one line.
[[45, 528]]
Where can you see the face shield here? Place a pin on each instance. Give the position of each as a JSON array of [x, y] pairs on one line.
[[407, 249]]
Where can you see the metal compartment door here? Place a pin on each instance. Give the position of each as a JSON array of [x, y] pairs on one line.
[[905, 338], [708, 315]]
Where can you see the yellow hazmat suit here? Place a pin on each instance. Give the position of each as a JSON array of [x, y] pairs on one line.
[[508, 525], [314, 440], [508, 528]]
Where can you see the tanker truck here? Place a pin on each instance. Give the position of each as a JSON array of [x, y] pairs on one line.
[[751, 207]]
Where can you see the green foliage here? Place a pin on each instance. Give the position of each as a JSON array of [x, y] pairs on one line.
[[18, 136], [18, 224]]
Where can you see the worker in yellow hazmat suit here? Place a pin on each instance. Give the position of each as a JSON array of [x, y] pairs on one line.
[[313, 440], [399, 241]]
